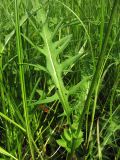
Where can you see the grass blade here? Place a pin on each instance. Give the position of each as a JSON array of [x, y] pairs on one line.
[[4, 152]]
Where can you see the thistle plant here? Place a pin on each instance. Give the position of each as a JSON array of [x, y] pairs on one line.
[[51, 51]]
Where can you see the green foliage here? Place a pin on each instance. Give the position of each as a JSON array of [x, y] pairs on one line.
[[68, 136], [4, 152], [59, 79]]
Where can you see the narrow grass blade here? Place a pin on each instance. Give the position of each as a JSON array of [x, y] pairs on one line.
[[4, 152], [22, 78], [11, 121]]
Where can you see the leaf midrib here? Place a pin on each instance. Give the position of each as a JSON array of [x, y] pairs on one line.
[[55, 73]]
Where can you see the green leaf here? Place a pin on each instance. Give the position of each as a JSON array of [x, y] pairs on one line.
[[74, 126], [67, 135], [56, 28], [36, 66], [62, 44], [1, 47], [11, 121], [73, 59], [52, 64], [79, 139], [76, 87], [46, 100], [62, 142], [4, 152], [9, 36], [78, 142]]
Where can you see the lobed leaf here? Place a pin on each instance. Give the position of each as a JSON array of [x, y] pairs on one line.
[[75, 88], [73, 59], [62, 44]]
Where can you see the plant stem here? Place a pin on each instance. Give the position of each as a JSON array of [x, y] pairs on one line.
[[70, 155], [3, 98], [22, 80]]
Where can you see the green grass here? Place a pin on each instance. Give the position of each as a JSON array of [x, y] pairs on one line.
[[59, 80]]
